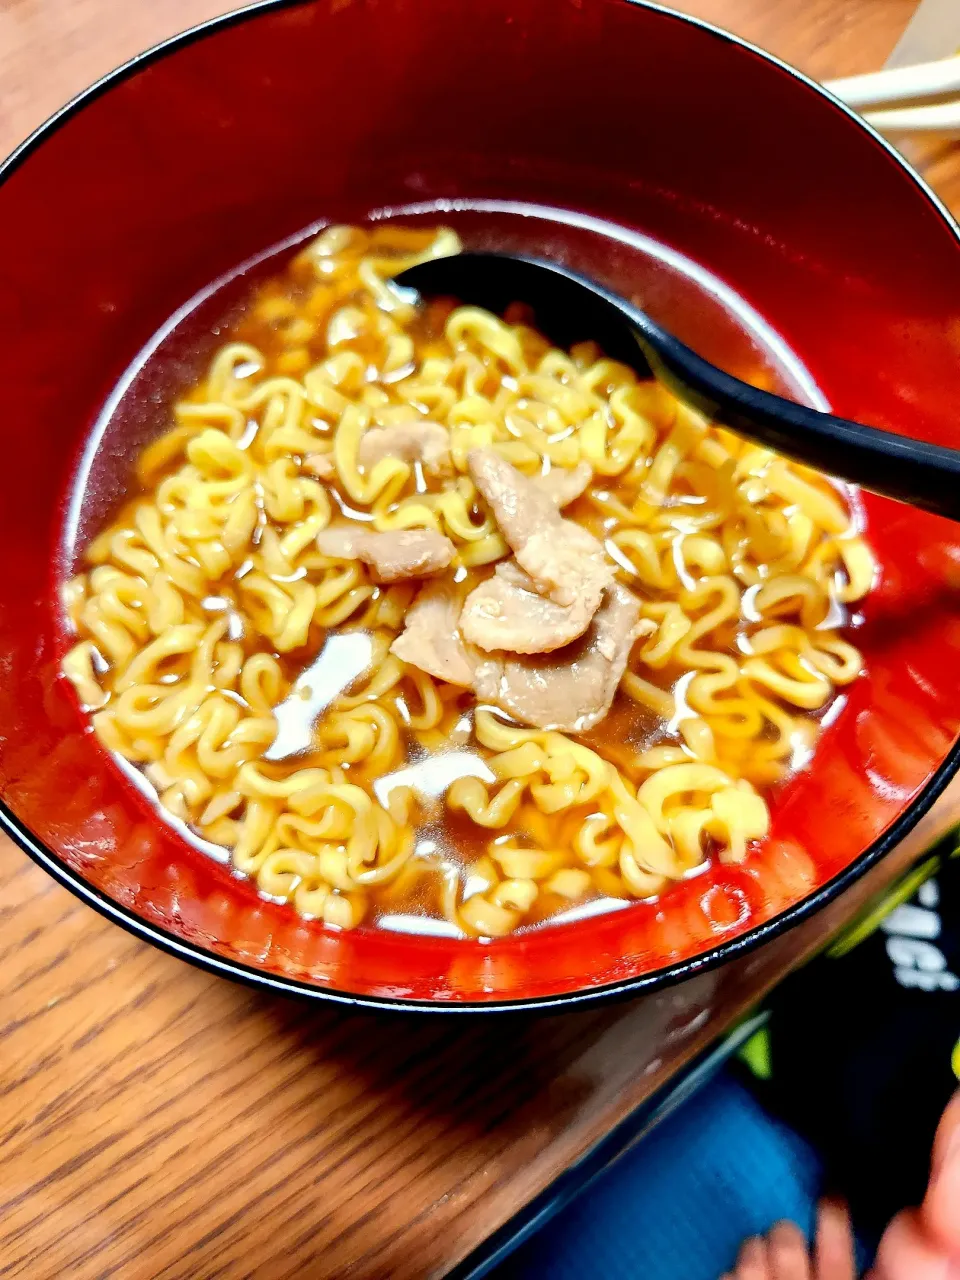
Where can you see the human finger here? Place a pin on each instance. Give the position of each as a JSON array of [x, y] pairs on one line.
[[834, 1252], [789, 1256]]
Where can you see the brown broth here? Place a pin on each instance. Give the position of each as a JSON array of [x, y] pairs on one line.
[[330, 663]]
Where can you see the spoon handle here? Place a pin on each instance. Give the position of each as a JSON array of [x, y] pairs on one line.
[[569, 307], [924, 475]]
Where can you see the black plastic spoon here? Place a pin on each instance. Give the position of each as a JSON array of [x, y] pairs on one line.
[[570, 308]]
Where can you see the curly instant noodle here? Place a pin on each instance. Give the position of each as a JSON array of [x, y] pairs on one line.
[[206, 612]]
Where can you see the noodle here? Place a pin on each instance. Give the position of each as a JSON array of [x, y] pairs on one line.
[[204, 603]]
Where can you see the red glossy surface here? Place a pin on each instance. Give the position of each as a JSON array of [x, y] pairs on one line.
[[327, 110]]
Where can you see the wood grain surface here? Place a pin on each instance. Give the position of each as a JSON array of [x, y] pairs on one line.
[[157, 1122]]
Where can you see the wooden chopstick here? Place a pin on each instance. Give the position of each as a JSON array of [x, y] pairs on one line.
[[901, 84], [887, 89], [940, 117]]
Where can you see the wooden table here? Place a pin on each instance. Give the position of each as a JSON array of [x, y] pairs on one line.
[[157, 1122]]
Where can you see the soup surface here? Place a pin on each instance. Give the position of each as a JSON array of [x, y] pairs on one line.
[[417, 617]]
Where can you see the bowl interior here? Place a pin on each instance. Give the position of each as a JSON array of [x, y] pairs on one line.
[[744, 208]]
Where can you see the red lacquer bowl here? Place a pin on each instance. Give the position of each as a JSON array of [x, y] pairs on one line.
[[224, 141]]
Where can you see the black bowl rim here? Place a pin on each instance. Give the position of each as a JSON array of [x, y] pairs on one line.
[[670, 975]]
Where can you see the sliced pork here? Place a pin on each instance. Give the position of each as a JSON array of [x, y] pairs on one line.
[[425, 442], [564, 485], [410, 553], [566, 562], [320, 465], [573, 688], [431, 639], [507, 612]]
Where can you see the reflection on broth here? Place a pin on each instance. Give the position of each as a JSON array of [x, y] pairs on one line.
[[427, 623], [342, 658]]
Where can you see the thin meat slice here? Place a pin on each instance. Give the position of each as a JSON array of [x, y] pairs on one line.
[[410, 553], [320, 465], [425, 442], [507, 612], [431, 639], [566, 562], [564, 485], [573, 688]]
